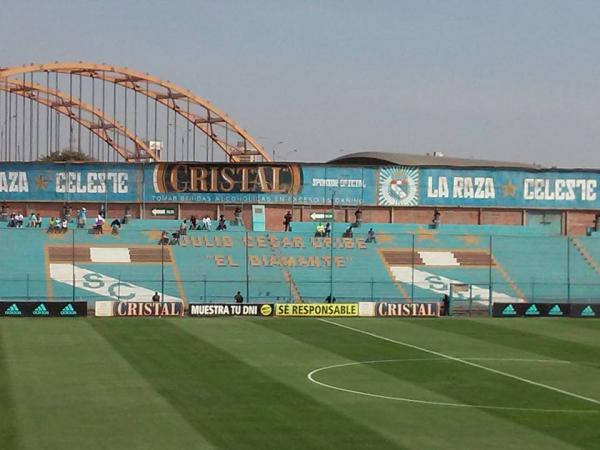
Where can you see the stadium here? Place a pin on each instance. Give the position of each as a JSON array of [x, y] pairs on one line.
[[167, 282]]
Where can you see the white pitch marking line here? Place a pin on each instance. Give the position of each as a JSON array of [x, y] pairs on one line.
[[468, 363], [310, 376]]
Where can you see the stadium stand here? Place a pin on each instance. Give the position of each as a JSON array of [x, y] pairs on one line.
[[408, 262]]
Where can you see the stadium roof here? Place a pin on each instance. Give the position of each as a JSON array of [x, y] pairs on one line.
[[404, 159]]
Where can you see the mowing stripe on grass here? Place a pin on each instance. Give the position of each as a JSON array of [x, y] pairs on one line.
[[230, 403], [468, 363], [8, 416]]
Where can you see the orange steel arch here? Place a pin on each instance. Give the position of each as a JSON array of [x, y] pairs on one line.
[[164, 92], [67, 105]]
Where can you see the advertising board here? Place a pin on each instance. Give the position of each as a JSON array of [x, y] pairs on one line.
[[316, 309], [229, 309], [147, 309], [394, 309], [43, 309], [546, 310]]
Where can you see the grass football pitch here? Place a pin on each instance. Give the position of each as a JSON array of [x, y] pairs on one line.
[[272, 383]]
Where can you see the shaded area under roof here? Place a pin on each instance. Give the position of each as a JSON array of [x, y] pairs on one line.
[[404, 159]]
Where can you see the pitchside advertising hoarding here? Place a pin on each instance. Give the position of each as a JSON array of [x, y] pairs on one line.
[[43, 309], [228, 309], [546, 310], [308, 184], [138, 309]]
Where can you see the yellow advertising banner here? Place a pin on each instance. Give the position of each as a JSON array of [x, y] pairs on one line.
[[317, 309]]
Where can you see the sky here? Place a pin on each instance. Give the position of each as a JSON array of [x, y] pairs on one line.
[[503, 80]]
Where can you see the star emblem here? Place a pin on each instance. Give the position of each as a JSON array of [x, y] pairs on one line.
[[41, 183], [509, 189]]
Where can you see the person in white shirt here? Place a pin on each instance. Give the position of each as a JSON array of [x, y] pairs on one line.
[[64, 225], [19, 220]]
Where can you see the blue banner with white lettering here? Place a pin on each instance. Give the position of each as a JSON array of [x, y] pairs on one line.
[[308, 184], [435, 186], [93, 182]]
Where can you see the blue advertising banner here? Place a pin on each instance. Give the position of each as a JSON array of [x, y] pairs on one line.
[[69, 182], [308, 184], [435, 186]]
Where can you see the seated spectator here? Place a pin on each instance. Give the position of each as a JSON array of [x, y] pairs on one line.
[[348, 233], [327, 229], [52, 225], [98, 224], [115, 226], [183, 228], [206, 223], [237, 216], [164, 238], [320, 232], [193, 223], [38, 221], [64, 225], [19, 220], [12, 222], [31, 222], [221, 225], [371, 236], [174, 238], [330, 299]]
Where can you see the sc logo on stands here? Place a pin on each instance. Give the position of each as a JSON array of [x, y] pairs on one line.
[[119, 289]]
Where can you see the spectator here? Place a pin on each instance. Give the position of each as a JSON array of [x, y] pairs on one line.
[[164, 238], [237, 215], [221, 225], [81, 218], [193, 223], [64, 225], [4, 212], [206, 223], [183, 228], [371, 236], [38, 220], [12, 222], [98, 224], [115, 225], [51, 225], [320, 232], [358, 217], [327, 229], [67, 211], [156, 297], [238, 297], [174, 238], [19, 220], [31, 223], [446, 303], [348, 233], [330, 299], [436, 219], [102, 211], [287, 220]]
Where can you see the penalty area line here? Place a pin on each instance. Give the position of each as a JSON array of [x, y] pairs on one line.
[[465, 362]]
